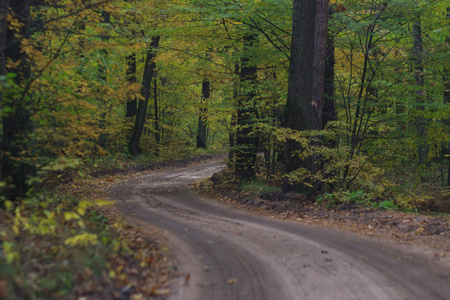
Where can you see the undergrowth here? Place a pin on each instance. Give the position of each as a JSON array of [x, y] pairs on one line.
[[257, 187], [58, 247]]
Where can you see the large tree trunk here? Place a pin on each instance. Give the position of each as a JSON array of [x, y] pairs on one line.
[[246, 144], [320, 47], [329, 109], [143, 104], [16, 162], [299, 111], [203, 116]]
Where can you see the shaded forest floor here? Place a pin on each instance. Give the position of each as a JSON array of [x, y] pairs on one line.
[[430, 231]]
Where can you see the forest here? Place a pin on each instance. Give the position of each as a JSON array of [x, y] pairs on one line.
[[343, 100], [353, 97]]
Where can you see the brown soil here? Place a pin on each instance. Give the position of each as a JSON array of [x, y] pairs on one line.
[[430, 231]]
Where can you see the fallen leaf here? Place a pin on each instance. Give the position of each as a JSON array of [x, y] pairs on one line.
[[232, 281]]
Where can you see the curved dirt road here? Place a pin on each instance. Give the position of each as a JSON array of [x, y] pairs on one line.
[[232, 254]]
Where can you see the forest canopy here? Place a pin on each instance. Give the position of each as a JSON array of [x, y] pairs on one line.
[[315, 96]]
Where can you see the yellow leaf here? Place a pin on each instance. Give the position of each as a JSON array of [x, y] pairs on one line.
[[101, 202], [83, 239], [70, 216], [83, 204], [9, 205], [15, 229]]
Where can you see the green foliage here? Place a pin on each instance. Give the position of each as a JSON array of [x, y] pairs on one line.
[[386, 204], [79, 88], [258, 188]]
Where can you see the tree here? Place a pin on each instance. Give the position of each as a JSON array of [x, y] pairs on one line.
[[141, 114], [246, 141], [299, 111], [320, 60], [17, 127], [131, 104], [329, 108], [203, 115]]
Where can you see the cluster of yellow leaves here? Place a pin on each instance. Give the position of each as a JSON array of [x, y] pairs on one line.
[[45, 240]]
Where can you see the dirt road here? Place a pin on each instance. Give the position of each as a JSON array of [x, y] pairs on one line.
[[232, 254]]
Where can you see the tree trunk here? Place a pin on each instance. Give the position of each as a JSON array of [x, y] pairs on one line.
[[232, 138], [320, 47], [131, 107], [143, 104], [246, 144], [156, 110], [420, 93], [232, 133], [203, 116], [16, 160], [299, 111], [329, 109]]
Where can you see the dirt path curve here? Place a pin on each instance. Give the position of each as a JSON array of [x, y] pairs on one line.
[[232, 254]]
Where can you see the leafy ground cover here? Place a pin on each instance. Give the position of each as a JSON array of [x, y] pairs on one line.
[[57, 247], [430, 230]]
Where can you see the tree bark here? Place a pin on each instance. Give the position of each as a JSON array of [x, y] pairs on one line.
[[156, 111], [143, 104], [246, 144], [329, 109], [233, 124], [320, 47], [299, 112], [131, 106], [16, 162], [203, 116]]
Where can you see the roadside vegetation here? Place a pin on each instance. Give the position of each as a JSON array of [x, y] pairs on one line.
[[69, 243]]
